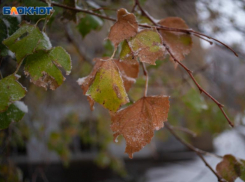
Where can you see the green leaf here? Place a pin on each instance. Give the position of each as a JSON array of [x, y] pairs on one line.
[[27, 39], [147, 45], [229, 168], [89, 23], [14, 113], [42, 66], [10, 91], [126, 52], [104, 85], [107, 87]]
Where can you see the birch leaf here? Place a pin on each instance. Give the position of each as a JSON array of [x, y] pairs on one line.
[[147, 45], [137, 122], [105, 85], [10, 91], [14, 113], [180, 44], [42, 66], [125, 27], [27, 39], [228, 168]]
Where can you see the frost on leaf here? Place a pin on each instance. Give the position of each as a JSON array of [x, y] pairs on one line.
[[147, 45], [27, 39], [105, 85], [125, 27], [229, 168], [137, 122], [43, 67], [14, 113], [180, 44], [10, 91]]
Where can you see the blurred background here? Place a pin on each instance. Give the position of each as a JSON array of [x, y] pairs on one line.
[[61, 140]]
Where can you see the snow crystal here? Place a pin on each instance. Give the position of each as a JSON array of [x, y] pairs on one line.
[[81, 81], [21, 106], [17, 76]]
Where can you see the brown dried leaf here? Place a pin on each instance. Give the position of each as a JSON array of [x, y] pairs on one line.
[[180, 44], [125, 27], [137, 122], [229, 168], [129, 72]]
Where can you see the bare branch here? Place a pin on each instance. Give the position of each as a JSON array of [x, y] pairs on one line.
[[198, 86], [185, 130], [158, 27], [196, 150]]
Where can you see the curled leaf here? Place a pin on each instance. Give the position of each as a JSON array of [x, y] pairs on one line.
[[15, 112], [104, 85], [137, 122], [229, 168], [147, 45], [180, 44], [125, 27], [27, 39], [10, 91], [42, 66]]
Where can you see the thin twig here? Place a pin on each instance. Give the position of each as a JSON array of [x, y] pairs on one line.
[[186, 130], [18, 67], [146, 78], [197, 151], [198, 86], [144, 13], [200, 37]]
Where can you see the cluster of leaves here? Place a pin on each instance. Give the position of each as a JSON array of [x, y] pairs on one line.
[[32, 48], [230, 168], [111, 78]]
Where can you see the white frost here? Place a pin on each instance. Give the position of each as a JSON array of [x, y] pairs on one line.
[[21, 106], [81, 81], [17, 76]]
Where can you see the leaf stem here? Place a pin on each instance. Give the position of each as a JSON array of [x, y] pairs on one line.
[[196, 150], [114, 52], [146, 77], [39, 21], [18, 67]]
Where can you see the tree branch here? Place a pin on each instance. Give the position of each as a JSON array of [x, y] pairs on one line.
[[146, 78], [157, 26], [197, 151], [185, 130], [199, 87]]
